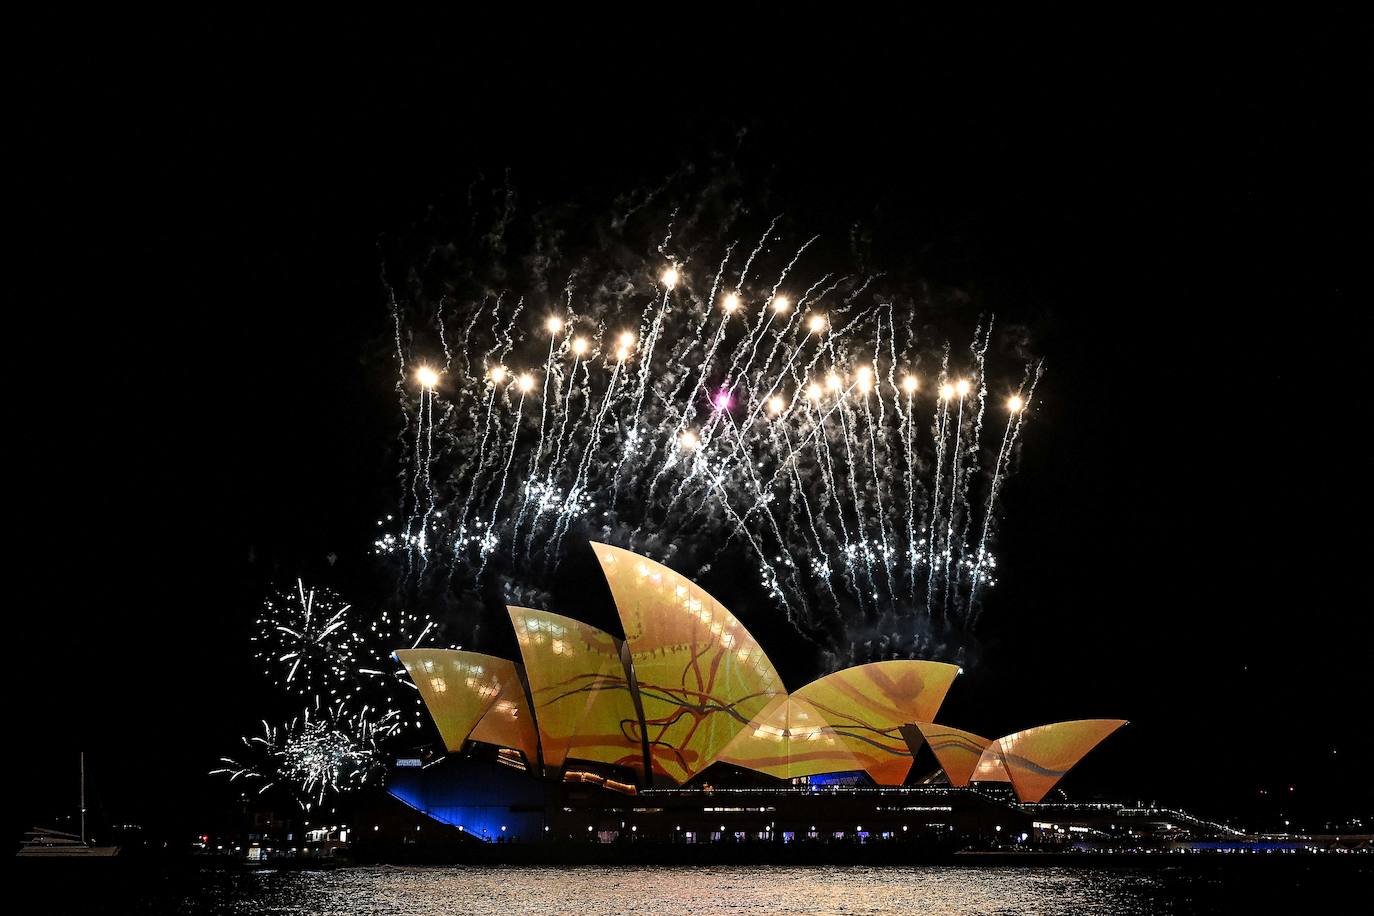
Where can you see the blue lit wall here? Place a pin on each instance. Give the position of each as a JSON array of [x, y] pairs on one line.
[[849, 778], [476, 796]]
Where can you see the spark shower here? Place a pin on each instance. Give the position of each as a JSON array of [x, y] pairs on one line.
[[702, 395]]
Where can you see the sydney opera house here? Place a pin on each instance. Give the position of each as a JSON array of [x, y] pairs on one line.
[[684, 732]]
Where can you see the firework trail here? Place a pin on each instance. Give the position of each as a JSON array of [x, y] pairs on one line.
[[688, 410], [555, 326], [960, 389], [874, 464], [1017, 406], [770, 575], [491, 539], [939, 428], [544, 489], [699, 417], [978, 347], [494, 377], [570, 502]]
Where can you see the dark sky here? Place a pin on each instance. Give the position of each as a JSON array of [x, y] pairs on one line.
[[1176, 208]]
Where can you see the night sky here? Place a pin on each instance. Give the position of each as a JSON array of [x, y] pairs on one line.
[[1175, 208]]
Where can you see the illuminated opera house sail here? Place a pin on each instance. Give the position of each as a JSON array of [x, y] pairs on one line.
[[689, 688]]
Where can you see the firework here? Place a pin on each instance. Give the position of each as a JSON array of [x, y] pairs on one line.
[[696, 402], [325, 751], [306, 642], [383, 680]]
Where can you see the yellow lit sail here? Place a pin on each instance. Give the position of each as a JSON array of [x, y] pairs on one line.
[[702, 678], [508, 723], [788, 739], [1037, 758], [958, 752], [867, 706], [581, 696], [708, 693], [458, 687]]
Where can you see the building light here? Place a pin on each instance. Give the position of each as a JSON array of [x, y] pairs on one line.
[[674, 592]]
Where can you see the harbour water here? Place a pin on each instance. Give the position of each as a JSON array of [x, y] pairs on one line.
[[938, 890]]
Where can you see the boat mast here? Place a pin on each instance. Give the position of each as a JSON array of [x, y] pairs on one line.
[[83, 796]]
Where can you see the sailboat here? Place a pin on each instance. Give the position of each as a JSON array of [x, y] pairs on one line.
[[42, 843]]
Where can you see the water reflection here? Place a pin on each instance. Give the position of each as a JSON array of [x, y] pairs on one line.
[[1201, 886], [938, 891]]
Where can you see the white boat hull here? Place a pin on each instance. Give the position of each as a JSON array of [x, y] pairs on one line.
[[68, 852]]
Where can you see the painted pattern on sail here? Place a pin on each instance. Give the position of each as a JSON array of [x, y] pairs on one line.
[[957, 751], [867, 706], [1037, 758], [701, 676], [458, 687], [581, 695], [788, 739]]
